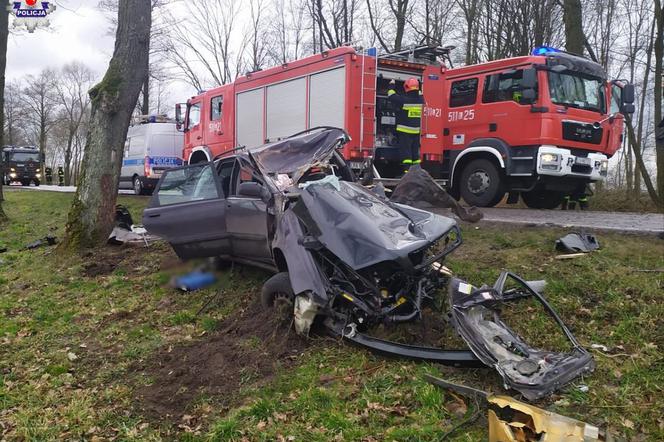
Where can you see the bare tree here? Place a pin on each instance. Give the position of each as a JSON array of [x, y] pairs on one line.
[[91, 215], [40, 103], [288, 27], [202, 44], [71, 89], [15, 114]]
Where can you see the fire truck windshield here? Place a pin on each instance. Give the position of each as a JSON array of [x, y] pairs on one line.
[[573, 90], [22, 157]]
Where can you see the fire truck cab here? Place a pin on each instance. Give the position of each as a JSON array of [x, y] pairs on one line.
[[541, 126]]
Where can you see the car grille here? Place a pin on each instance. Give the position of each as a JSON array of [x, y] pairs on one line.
[[582, 132]]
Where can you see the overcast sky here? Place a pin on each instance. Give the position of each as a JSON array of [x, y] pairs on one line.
[[78, 31]]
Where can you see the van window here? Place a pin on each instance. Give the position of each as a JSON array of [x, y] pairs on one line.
[[216, 104], [463, 92], [137, 145], [507, 89], [194, 115]]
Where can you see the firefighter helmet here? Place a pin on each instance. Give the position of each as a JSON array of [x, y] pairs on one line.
[[412, 84]]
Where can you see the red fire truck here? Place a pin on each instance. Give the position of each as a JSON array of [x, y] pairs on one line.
[[542, 126]]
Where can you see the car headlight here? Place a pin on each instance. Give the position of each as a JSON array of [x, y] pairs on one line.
[[11, 169], [550, 161], [12, 175], [38, 175]]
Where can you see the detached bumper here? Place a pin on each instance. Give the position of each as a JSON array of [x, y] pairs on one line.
[[559, 162]]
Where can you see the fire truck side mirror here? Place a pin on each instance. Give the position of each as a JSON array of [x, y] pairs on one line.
[[178, 116], [628, 94], [528, 85], [529, 80], [627, 99]]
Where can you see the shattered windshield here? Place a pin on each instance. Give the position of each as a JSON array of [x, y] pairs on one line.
[[573, 90], [24, 157]]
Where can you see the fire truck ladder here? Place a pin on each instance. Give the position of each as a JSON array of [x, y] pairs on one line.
[[368, 103], [426, 54]]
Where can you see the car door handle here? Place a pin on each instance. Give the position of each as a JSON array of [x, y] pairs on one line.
[[154, 215]]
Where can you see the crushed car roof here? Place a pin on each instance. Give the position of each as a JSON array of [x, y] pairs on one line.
[[298, 152]]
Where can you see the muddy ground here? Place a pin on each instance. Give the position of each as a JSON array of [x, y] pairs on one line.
[[247, 349]]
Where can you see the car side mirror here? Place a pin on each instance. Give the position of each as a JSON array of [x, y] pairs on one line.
[[250, 189]]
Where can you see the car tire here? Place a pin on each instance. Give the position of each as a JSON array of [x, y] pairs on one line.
[[277, 291], [481, 183], [25, 183], [138, 186], [542, 199], [36, 183]]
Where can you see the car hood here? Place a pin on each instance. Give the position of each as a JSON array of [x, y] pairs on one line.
[[362, 229], [298, 153]]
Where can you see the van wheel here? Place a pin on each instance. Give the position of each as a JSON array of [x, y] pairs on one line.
[[277, 294], [481, 184], [542, 199], [138, 186]]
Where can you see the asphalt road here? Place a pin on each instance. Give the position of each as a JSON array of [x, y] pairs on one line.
[[641, 223]]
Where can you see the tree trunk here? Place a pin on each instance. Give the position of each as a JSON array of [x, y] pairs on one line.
[[91, 216], [145, 107], [4, 34], [659, 122], [572, 16]]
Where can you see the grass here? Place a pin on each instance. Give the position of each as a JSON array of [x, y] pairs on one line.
[[49, 311]]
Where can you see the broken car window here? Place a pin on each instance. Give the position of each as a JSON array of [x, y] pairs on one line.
[[193, 183]]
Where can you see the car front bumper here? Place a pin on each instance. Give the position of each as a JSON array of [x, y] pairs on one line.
[[560, 162]]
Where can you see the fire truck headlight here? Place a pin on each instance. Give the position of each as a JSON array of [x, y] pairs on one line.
[[604, 167], [550, 161], [12, 175]]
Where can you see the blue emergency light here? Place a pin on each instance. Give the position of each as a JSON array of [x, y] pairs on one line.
[[543, 50]]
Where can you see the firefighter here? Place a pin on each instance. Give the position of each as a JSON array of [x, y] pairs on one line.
[[409, 114], [581, 197], [61, 176], [49, 175]]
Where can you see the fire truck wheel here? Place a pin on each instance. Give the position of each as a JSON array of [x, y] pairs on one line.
[[542, 199], [481, 184], [138, 186]]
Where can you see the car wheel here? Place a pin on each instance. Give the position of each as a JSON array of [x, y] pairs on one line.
[[277, 294], [542, 199], [25, 183], [36, 183], [138, 186], [481, 183]]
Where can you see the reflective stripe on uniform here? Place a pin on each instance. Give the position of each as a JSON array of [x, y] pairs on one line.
[[391, 92], [408, 129], [417, 161], [407, 161], [414, 110]]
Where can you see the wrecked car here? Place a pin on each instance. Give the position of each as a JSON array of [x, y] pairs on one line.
[[342, 254]]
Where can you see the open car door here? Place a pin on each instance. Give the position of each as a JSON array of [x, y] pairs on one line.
[[188, 209]]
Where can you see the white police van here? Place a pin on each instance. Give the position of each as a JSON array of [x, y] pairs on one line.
[[153, 145]]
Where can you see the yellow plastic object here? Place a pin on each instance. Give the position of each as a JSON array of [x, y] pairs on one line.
[[511, 420]]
